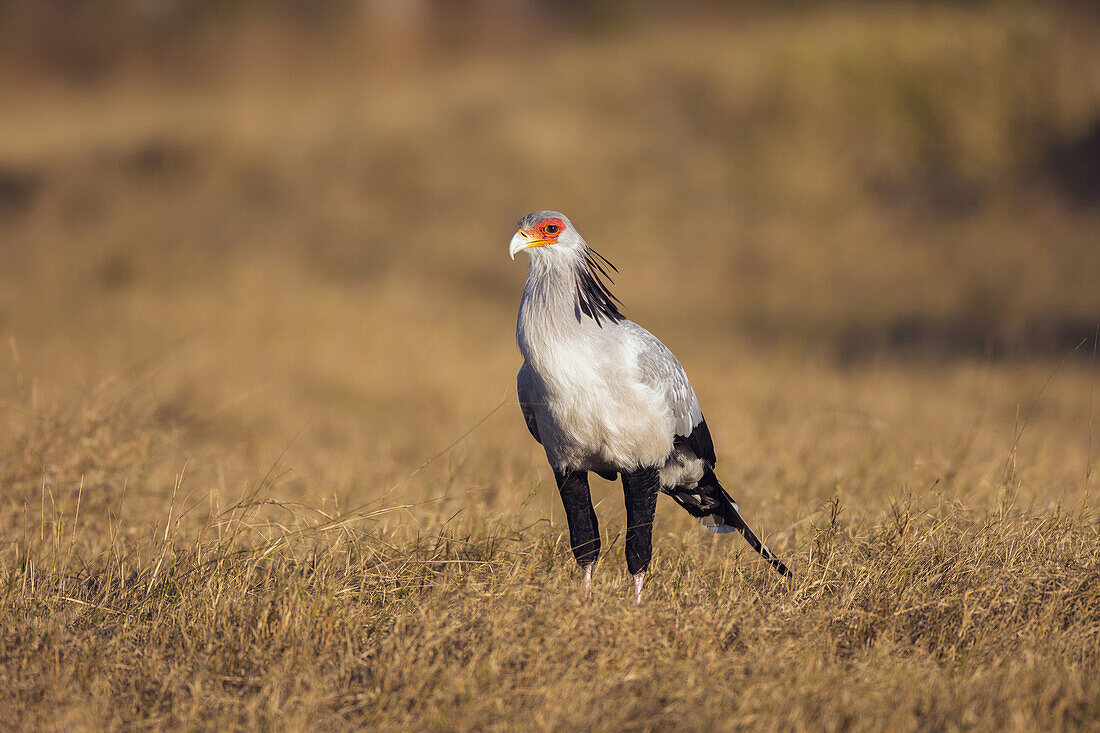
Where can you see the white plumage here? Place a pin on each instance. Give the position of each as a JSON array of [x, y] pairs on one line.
[[602, 395]]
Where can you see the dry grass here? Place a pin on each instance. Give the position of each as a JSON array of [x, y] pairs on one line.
[[255, 469], [924, 614]]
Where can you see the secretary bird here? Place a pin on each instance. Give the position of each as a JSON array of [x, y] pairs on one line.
[[602, 394]]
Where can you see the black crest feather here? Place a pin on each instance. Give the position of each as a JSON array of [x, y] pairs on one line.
[[594, 296]]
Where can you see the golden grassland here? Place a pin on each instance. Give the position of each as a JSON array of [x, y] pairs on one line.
[[260, 458]]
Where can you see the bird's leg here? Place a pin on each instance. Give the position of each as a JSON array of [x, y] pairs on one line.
[[640, 488], [584, 529]]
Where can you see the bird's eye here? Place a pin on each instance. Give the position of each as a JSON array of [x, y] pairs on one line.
[[552, 228]]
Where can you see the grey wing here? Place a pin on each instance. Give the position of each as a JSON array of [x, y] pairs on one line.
[[528, 397], [662, 371]]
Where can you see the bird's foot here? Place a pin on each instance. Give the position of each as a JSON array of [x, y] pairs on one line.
[[587, 582], [639, 580]]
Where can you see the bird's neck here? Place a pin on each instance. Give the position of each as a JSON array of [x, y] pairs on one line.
[[549, 313]]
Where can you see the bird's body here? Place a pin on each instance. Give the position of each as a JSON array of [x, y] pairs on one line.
[[602, 394], [596, 408]]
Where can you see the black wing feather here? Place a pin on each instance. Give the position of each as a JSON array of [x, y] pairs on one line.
[[700, 443]]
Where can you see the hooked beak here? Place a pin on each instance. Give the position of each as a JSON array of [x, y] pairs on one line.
[[521, 241]]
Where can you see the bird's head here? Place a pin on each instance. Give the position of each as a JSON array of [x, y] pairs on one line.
[[555, 246], [548, 229]]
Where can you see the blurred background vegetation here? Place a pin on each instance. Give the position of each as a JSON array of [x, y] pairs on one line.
[[295, 210], [865, 178]]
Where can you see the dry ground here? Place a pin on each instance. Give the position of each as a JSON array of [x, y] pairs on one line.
[[260, 461]]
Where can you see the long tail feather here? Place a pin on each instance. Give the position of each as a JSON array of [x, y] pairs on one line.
[[717, 511], [734, 519]]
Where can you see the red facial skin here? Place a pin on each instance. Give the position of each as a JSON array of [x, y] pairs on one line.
[[539, 230]]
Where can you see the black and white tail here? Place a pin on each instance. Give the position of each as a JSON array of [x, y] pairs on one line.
[[717, 511]]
